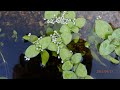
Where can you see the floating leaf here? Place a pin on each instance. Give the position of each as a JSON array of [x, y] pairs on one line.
[[66, 37], [31, 51], [70, 15], [31, 38], [65, 54], [87, 44], [75, 67], [70, 24], [52, 47], [62, 45], [65, 29], [103, 29], [49, 31], [117, 50], [76, 58], [75, 29], [81, 70], [116, 33], [97, 58], [88, 77], [44, 42], [67, 65], [111, 59], [106, 48], [54, 54], [69, 75], [51, 14], [75, 37], [80, 22], [44, 57]]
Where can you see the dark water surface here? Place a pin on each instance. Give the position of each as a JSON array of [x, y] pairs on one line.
[[31, 22]]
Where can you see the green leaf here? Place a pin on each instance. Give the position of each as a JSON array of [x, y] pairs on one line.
[[54, 54], [51, 14], [44, 42], [65, 29], [44, 57], [80, 22], [88, 77], [114, 40], [75, 67], [67, 65], [69, 75], [49, 31], [87, 44], [31, 51], [52, 47], [65, 54], [3, 78], [81, 70], [76, 58], [111, 59], [31, 38], [62, 45], [95, 56], [70, 24], [66, 37], [117, 50], [70, 15], [75, 29], [116, 33], [103, 29], [106, 48], [75, 37]]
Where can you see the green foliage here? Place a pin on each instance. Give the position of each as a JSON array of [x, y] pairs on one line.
[[75, 37], [65, 29], [69, 75], [80, 22], [81, 70], [66, 37], [51, 14], [67, 66], [44, 42], [31, 38], [106, 48], [103, 29], [44, 57], [75, 29], [49, 31], [65, 54], [70, 15], [117, 50], [88, 77], [76, 58], [31, 51], [52, 47]]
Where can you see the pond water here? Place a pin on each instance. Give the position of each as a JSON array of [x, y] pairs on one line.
[[23, 23]]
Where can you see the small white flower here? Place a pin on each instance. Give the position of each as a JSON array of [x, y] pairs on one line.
[[41, 37], [58, 57], [36, 48], [61, 61], [71, 51], [38, 38], [29, 34], [50, 35], [41, 49]]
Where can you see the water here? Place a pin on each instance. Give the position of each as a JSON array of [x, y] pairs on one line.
[[25, 22]]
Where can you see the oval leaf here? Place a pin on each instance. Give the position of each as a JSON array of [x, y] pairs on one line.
[[65, 29], [75, 29], [80, 22], [103, 29], [31, 51], [70, 24], [44, 57], [81, 70], [31, 38], [66, 37], [49, 31], [106, 48], [76, 58], [67, 65], [70, 15], [117, 50], [51, 14], [52, 47], [116, 33], [65, 54], [44, 42], [69, 75]]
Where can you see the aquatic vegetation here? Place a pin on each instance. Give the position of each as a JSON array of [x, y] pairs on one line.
[[57, 40], [111, 40], [15, 35]]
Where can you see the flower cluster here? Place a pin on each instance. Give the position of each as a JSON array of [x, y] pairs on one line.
[[61, 20]]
